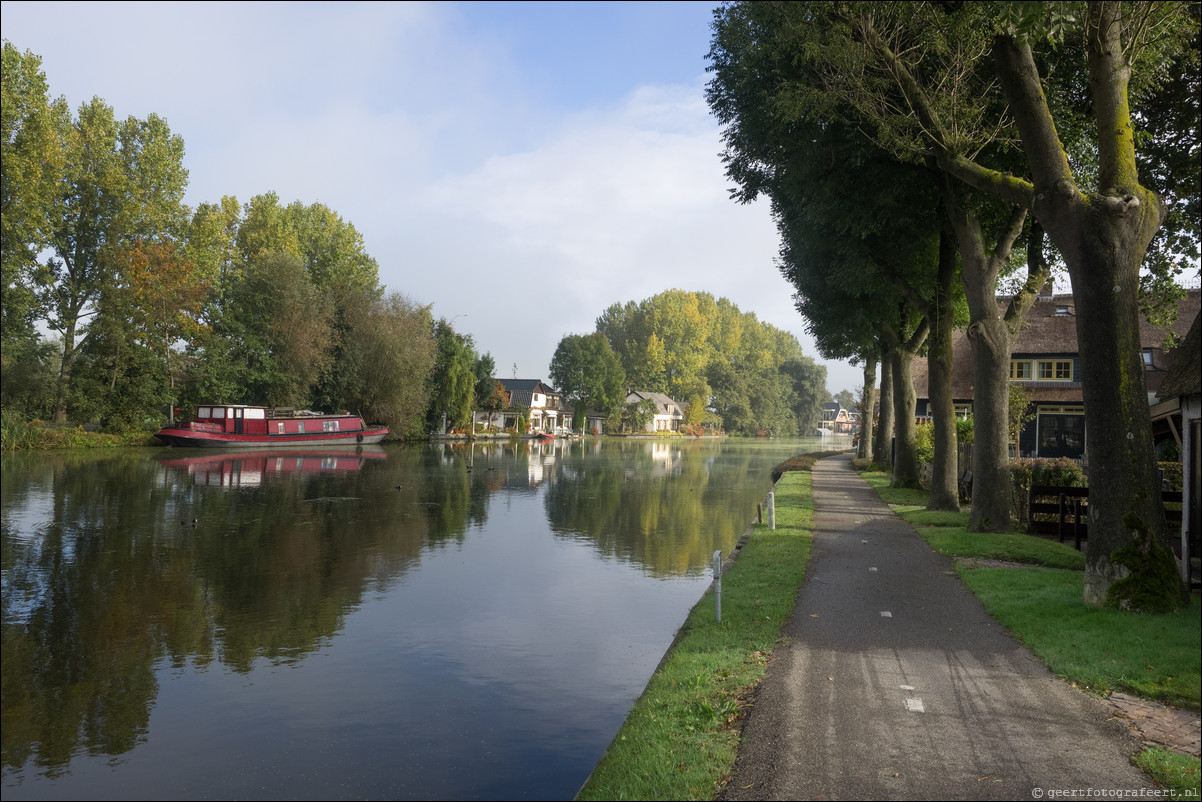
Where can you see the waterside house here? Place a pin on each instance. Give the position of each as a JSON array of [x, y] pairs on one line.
[[838, 420], [543, 403], [669, 415]]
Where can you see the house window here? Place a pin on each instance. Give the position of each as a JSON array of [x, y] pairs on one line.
[[1062, 435], [1055, 370], [1149, 361], [961, 410], [1020, 369], [1062, 311]]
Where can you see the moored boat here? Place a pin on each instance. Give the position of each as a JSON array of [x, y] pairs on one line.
[[241, 426]]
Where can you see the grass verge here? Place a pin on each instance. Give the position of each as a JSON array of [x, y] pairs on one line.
[[680, 739], [947, 533], [1173, 771], [1098, 649], [895, 496]]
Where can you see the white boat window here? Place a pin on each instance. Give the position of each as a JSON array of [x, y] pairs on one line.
[[203, 412], [255, 414], [219, 412]]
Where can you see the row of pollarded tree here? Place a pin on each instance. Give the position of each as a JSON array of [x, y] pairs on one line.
[[905, 145]]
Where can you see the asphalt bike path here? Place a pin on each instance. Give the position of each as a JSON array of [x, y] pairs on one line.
[[894, 683]]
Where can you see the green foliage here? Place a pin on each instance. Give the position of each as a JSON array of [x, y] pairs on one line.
[[637, 415], [453, 380], [522, 422], [964, 431], [1019, 412], [751, 376], [155, 306], [924, 441], [32, 157], [1058, 472], [18, 434], [588, 374], [495, 401], [277, 331], [388, 352]]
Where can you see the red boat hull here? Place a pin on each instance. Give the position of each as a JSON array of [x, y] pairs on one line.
[[241, 426], [183, 437]]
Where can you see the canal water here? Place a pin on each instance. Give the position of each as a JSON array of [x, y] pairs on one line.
[[423, 622]]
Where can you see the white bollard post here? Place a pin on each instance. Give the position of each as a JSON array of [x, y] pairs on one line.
[[718, 586], [771, 510]]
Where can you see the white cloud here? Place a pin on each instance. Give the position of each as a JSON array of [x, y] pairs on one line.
[[614, 205], [521, 221]]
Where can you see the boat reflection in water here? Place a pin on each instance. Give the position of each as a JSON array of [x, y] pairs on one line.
[[254, 468]]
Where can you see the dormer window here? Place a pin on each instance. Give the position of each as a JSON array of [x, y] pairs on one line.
[[1062, 311], [1149, 361]]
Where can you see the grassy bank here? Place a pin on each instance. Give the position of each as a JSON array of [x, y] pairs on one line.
[[679, 740], [20, 435], [1157, 657]]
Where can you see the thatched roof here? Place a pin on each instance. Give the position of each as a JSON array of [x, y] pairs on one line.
[[1184, 376], [1050, 330]]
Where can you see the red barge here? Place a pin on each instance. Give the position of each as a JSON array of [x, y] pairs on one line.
[[241, 426]]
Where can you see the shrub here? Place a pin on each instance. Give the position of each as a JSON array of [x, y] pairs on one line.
[[924, 441], [1026, 473], [1060, 472], [924, 437], [964, 431]]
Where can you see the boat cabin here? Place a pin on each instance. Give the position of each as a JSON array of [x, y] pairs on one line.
[[241, 419]]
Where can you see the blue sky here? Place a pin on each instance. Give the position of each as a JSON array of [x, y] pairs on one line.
[[519, 166]]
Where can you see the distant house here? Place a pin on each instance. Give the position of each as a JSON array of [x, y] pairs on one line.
[[669, 415], [838, 420], [543, 403], [1046, 361]]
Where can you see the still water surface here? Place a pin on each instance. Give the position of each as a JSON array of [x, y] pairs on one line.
[[433, 622]]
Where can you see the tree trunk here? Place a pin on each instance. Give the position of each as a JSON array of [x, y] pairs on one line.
[[991, 337], [1124, 489], [1103, 238], [882, 449], [867, 403], [905, 456], [944, 491], [64, 373]]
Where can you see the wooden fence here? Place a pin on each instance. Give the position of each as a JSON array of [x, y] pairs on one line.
[[1064, 512]]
